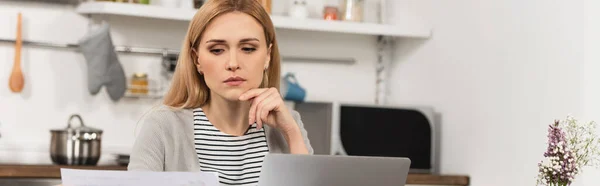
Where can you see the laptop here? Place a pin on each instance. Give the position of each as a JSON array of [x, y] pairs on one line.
[[326, 170]]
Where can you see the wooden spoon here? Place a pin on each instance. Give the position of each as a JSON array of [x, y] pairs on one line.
[[16, 81]]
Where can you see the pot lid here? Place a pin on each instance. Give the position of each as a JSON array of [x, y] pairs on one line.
[[81, 128]]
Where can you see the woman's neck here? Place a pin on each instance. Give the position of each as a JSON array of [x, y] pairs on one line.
[[230, 117]]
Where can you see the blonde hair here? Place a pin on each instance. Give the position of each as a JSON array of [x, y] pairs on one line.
[[188, 88]]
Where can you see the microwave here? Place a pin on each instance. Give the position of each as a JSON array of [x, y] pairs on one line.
[[345, 129]]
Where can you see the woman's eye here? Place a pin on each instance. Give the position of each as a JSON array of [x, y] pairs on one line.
[[248, 49], [216, 51]]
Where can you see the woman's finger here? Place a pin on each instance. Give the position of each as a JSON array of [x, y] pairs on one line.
[[259, 106], [252, 93], [263, 110], [253, 112], [254, 99]]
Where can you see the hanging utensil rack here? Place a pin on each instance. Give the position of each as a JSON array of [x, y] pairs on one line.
[[166, 52]]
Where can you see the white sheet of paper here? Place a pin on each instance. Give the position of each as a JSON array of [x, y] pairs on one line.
[[77, 177]]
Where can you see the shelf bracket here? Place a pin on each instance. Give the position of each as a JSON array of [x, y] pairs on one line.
[[384, 51]]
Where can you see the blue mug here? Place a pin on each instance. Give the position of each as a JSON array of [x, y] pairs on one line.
[[292, 91]]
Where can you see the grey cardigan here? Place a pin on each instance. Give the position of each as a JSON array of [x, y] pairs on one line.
[[165, 141]]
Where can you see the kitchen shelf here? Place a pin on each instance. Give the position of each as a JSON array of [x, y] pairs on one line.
[[412, 30]]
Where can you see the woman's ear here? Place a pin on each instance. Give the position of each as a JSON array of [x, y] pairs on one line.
[[196, 60], [268, 56], [195, 57]]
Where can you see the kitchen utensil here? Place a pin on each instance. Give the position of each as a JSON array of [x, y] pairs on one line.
[[291, 90], [16, 81], [75, 145], [103, 66]]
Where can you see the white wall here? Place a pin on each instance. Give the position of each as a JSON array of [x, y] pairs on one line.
[[591, 78], [499, 71], [56, 79]]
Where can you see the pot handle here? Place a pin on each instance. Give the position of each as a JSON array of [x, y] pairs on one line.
[[75, 116]]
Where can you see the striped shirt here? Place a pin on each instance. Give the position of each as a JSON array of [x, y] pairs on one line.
[[237, 159]]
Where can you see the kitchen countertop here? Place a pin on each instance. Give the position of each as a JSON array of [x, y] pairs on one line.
[[53, 171]]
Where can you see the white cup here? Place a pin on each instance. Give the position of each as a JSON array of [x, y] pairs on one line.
[[299, 10]]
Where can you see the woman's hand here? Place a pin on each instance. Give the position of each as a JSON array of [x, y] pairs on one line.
[[268, 108]]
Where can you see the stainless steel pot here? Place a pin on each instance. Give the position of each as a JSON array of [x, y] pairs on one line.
[[75, 145]]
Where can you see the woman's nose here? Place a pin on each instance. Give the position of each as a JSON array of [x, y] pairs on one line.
[[233, 64], [233, 67]]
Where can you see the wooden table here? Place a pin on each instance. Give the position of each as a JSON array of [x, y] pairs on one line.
[[53, 171]]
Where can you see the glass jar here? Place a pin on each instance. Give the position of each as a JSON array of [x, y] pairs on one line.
[[139, 83], [352, 10], [330, 13]]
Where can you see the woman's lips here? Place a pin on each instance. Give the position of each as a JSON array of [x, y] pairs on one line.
[[234, 81]]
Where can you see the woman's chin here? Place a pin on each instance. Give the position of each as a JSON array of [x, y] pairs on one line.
[[232, 95]]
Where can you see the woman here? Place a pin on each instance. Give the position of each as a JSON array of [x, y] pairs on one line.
[[223, 112]]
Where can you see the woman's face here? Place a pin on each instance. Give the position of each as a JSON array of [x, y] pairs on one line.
[[233, 55]]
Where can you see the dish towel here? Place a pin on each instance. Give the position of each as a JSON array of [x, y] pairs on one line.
[[103, 65]]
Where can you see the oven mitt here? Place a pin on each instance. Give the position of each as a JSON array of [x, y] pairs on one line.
[[103, 66]]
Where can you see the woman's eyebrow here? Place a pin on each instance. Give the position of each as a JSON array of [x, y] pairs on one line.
[[248, 40], [216, 41], [223, 41]]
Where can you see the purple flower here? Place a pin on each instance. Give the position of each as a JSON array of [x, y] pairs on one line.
[[559, 169]]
